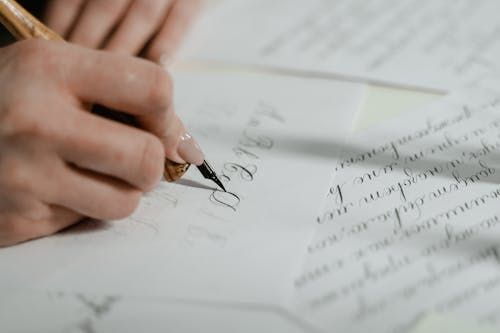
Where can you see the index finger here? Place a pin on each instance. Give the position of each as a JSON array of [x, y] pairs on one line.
[[130, 85]]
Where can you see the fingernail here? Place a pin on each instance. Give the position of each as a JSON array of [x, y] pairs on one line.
[[189, 150]]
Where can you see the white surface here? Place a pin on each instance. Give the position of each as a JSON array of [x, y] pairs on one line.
[[420, 43], [435, 323], [395, 243], [58, 312], [180, 244]]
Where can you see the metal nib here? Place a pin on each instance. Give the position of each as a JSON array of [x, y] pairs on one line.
[[208, 173], [218, 182]]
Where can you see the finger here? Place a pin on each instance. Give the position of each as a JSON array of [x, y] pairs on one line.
[[60, 15], [96, 196], [118, 82], [141, 21], [28, 169], [52, 218], [36, 174], [178, 21], [96, 20], [17, 228], [130, 85], [12, 201], [58, 219], [120, 151], [29, 178]]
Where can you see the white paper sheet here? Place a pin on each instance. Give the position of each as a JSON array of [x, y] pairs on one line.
[[420, 43], [411, 223], [273, 140], [59, 312], [435, 323]]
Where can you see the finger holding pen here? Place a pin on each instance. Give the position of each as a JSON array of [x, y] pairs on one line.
[[59, 161], [23, 25], [139, 88]]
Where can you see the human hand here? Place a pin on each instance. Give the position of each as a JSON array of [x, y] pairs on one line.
[[126, 26], [59, 162]]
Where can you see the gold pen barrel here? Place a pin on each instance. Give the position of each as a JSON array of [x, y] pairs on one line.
[[21, 24]]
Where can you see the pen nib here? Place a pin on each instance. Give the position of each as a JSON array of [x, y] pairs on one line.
[[218, 182], [207, 172]]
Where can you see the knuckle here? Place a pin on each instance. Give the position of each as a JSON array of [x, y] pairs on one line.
[[126, 204], [151, 162], [16, 119], [13, 230], [38, 56], [15, 176], [160, 90], [21, 118], [32, 51]]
